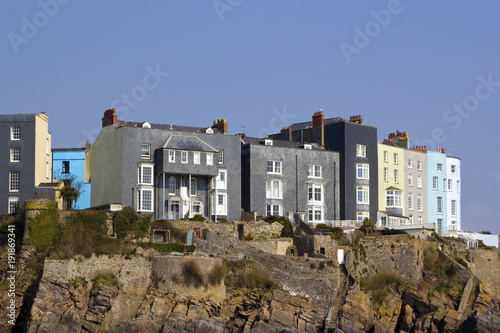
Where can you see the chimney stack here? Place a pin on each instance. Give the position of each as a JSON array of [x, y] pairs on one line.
[[356, 119], [110, 118], [286, 133], [221, 125], [318, 118]]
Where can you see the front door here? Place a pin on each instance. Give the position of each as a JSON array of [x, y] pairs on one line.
[[173, 209]]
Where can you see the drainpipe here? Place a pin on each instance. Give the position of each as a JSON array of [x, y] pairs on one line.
[[189, 197], [163, 197], [215, 199]]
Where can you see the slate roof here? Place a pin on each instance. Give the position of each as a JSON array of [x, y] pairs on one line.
[[308, 124], [188, 142], [167, 127], [393, 143], [279, 143]]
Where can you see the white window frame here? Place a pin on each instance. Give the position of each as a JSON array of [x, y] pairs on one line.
[[194, 187], [410, 179], [439, 167], [410, 219], [395, 158], [419, 202], [221, 209], [364, 190], [434, 183], [210, 159], [419, 181], [393, 199], [453, 207], [420, 219], [15, 155], [221, 156], [196, 157], [386, 156], [410, 201], [274, 189], [65, 167], [14, 181], [222, 179], [145, 151], [274, 210], [386, 174], [142, 174], [315, 193], [15, 133], [314, 171], [450, 184], [362, 171], [184, 157], [440, 205], [419, 166], [410, 163], [453, 169], [315, 213], [458, 185], [171, 156], [439, 226], [274, 167], [172, 183], [13, 202], [360, 150], [142, 205], [396, 176], [362, 214]]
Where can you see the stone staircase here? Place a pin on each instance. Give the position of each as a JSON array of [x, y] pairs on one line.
[[331, 321]]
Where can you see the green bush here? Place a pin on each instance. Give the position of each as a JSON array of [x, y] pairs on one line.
[[216, 274], [198, 217], [386, 232], [192, 274], [247, 237], [439, 266], [45, 230], [242, 274], [106, 278], [128, 220], [380, 286], [287, 230]]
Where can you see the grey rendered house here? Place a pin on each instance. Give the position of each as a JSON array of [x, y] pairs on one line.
[[284, 177], [167, 171]]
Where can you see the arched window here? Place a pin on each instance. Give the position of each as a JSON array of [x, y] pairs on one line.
[[171, 185], [194, 186]]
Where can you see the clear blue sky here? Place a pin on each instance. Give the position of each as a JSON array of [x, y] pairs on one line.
[[263, 65]]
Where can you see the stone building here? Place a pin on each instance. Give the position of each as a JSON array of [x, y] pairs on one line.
[[284, 177], [167, 171]]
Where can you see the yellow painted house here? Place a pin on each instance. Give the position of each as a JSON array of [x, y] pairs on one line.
[[391, 185]]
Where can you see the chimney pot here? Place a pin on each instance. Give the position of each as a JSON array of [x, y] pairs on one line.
[[110, 118], [318, 119]]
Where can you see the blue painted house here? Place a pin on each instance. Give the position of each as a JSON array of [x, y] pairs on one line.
[[437, 190], [74, 164]]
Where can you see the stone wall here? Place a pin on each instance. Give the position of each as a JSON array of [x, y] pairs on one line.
[[485, 264], [273, 246], [325, 241]]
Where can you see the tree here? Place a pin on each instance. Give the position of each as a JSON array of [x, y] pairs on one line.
[[70, 179], [70, 194], [367, 226]]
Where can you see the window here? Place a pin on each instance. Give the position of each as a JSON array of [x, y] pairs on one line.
[[363, 171], [144, 199], [439, 205], [145, 174], [315, 213], [145, 150], [47, 170], [314, 171], [361, 215], [47, 147], [194, 186], [444, 184], [221, 208], [268, 142], [434, 183], [65, 166], [171, 185], [15, 132], [386, 156], [14, 181], [419, 165], [386, 176], [419, 202], [393, 198], [15, 154], [396, 176], [13, 202], [439, 167], [454, 207], [395, 158], [440, 226], [383, 221], [458, 185], [410, 201], [453, 225], [315, 192], [274, 189], [274, 167], [410, 180], [410, 164], [273, 210], [197, 207], [210, 159], [410, 219], [222, 180], [453, 169], [363, 194], [196, 157], [420, 220], [360, 150], [221, 156], [184, 156], [449, 184], [171, 156], [419, 181]]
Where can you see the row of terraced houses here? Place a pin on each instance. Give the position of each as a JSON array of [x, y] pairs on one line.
[[331, 171]]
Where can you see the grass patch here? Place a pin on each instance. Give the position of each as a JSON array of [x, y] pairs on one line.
[[462, 262], [216, 274], [127, 220], [381, 285], [242, 274], [192, 274], [439, 266], [106, 278]]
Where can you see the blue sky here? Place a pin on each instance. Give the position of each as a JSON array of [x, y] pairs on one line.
[[403, 65]]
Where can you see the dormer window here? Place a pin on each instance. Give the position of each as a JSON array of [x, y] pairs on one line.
[[305, 146], [268, 142], [146, 125]]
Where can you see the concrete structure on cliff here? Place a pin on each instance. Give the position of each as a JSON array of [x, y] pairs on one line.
[[25, 144], [283, 178], [167, 171]]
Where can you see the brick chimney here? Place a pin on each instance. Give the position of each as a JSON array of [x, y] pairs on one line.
[[318, 118], [286, 133], [358, 119], [110, 118], [221, 125]]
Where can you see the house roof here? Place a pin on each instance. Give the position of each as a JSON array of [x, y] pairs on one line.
[[279, 143], [308, 124], [188, 142], [170, 127], [393, 143]]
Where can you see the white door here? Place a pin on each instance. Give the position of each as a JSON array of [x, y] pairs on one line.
[[340, 256]]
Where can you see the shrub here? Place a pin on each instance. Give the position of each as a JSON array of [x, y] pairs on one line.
[[45, 230], [380, 286], [216, 274], [242, 274], [106, 278], [386, 232], [247, 217], [192, 273], [287, 230], [247, 237], [128, 220], [198, 217]]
